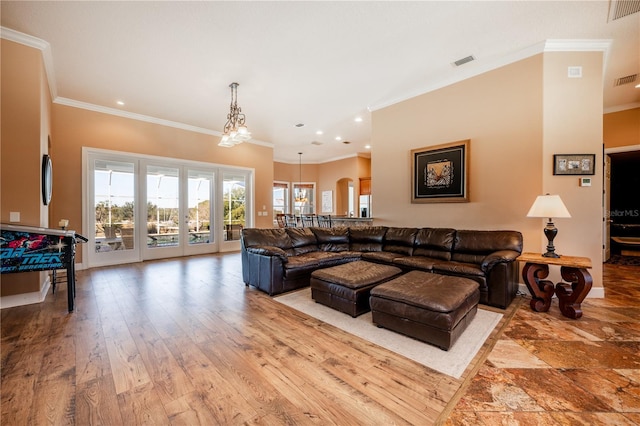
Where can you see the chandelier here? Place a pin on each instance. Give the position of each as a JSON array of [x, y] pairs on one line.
[[235, 131], [301, 196]]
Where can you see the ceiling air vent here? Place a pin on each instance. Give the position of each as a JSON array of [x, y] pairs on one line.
[[626, 80], [464, 60], [316, 143], [621, 8]]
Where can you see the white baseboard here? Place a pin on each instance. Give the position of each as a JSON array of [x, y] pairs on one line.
[[26, 298], [595, 293]]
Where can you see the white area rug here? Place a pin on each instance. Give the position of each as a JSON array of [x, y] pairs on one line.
[[452, 362]]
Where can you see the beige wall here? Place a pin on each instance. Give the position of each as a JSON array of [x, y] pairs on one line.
[[25, 117], [622, 128], [573, 124], [513, 139]]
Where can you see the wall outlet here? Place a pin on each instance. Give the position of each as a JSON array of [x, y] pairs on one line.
[[14, 216]]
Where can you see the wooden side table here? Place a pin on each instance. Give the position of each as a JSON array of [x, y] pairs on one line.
[[570, 295]]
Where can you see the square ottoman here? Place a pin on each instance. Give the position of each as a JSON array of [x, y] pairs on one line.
[[429, 307], [346, 287]]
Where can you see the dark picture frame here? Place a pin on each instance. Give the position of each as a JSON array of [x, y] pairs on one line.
[[47, 179], [440, 173], [574, 164]]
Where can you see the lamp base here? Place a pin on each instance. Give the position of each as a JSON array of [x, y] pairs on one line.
[[551, 254], [550, 231]]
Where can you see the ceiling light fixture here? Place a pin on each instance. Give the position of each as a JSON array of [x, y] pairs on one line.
[[235, 131], [358, 119], [301, 195]]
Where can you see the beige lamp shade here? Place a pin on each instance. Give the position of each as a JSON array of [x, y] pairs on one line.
[[548, 206]]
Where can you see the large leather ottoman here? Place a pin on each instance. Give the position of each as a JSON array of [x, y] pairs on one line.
[[346, 287], [429, 307]]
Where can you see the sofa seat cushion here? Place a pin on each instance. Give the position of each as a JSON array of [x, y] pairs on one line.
[[459, 268], [422, 263], [381, 256], [305, 264]]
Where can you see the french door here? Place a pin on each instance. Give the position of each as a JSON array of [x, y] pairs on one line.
[[141, 208]]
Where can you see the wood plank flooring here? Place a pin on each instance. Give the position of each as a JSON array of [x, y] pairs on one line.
[[184, 342]]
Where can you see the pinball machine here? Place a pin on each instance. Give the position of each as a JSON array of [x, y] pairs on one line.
[[30, 249]]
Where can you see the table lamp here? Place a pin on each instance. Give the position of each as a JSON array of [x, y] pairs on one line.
[[549, 206]]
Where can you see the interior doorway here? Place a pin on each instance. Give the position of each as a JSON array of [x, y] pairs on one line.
[[344, 197], [622, 203]]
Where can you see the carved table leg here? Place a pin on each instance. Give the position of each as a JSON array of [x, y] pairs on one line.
[[541, 290], [571, 295]]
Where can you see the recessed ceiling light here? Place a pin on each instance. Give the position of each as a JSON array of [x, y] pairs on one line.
[[319, 132], [120, 103], [367, 146], [358, 120], [338, 138]]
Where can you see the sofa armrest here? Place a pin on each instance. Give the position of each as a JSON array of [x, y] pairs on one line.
[[501, 256], [268, 251]]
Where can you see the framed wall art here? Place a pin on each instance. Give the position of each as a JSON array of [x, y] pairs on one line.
[[574, 164], [440, 173]]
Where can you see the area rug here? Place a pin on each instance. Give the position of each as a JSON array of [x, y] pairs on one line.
[[452, 362]]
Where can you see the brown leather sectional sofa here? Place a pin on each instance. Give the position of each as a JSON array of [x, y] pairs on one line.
[[279, 260]]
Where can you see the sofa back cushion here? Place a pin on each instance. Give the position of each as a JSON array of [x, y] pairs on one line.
[[473, 246], [436, 243], [332, 239], [367, 238], [253, 237], [399, 240], [302, 240]]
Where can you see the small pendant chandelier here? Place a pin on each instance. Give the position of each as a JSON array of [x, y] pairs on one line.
[[235, 131], [301, 197]]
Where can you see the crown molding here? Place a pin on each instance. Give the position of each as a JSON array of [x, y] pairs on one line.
[[479, 68], [36, 43], [148, 119], [329, 160], [619, 108]]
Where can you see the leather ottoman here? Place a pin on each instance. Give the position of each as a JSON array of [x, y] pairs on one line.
[[429, 307], [346, 287]]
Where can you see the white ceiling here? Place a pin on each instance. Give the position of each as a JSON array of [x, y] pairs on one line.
[[317, 63]]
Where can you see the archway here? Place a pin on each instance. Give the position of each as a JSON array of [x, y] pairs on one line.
[[345, 197]]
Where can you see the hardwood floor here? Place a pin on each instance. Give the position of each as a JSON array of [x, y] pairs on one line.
[[183, 341]]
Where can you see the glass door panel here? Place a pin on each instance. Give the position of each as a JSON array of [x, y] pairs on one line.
[[163, 207], [199, 187], [112, 186], [234, 202]]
